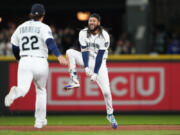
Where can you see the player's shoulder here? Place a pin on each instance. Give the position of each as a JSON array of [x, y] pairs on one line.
[[31, 22], [105, 32], [41, 24], [18, 27], [22, 24], [83, 31]]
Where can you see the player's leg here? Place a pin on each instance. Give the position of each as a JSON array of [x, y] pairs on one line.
[[103, 82], [74, 57], [40, 80], [40, 105], [25, 77]]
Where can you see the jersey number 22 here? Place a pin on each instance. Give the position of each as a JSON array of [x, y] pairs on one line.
[[32, 40]]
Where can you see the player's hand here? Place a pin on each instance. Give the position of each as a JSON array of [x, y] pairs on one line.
[[88, 71], [62, 60], [94, 77]]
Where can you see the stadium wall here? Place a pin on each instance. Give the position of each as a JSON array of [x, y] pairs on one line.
[[138, 83]]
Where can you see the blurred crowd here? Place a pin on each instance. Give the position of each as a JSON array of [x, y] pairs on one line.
[[164, 42], [5, 35], [65, 38]]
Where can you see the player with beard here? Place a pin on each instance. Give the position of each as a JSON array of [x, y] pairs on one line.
[[94, 41]]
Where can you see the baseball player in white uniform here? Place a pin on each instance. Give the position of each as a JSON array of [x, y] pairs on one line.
[[94, 42], [30, 44]]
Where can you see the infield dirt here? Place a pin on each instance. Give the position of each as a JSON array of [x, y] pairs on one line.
[[91, 128]]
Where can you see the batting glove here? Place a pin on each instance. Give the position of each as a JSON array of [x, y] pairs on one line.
[[94, 77], [88, 72]]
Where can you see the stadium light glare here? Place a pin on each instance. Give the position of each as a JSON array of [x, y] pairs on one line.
[[83, 16]]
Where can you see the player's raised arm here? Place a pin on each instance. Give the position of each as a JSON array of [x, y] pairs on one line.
[[51, 44], [54, 49]]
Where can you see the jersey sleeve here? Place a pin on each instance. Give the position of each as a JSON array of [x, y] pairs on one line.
[[46, 33], [14, 38], [106, 42], [82, 38]]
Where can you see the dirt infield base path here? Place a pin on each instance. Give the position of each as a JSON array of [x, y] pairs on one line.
[[91, 128]]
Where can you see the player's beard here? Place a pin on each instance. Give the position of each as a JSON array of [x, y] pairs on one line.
[[93, 30]]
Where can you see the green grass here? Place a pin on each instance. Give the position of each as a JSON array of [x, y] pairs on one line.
[[94, 120], [93, 133]]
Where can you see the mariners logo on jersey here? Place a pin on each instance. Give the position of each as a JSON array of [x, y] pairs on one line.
[[94, 45]]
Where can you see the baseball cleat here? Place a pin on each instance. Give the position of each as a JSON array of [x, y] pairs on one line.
[[74, 83], [71, 85], [9, 99], [40, 124], [112, 120]]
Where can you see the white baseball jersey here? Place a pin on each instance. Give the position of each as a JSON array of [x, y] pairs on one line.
[[95, 43], [31, 37]]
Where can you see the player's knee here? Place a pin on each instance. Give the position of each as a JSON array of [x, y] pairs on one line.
[[106, 93], [69, 52], [41, 91], [21, 92]]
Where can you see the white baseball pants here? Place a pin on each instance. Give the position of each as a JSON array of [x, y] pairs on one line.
[[36, 69]]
